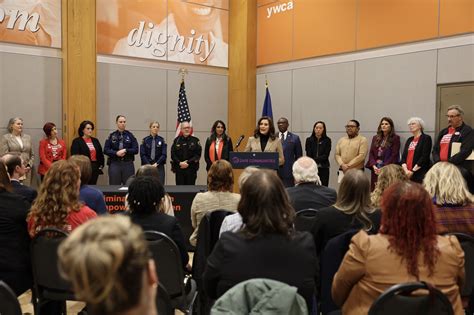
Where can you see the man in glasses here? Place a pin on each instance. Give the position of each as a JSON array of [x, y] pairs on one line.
[[351, 150], [455, 144]]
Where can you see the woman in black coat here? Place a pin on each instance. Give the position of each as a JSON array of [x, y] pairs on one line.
[[89, 146], [218, 145], [416, 154], [318, 147]]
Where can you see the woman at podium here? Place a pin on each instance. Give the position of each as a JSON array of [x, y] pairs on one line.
[[265, 140]]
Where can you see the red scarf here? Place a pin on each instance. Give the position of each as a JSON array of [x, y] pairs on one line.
[[212, 151]]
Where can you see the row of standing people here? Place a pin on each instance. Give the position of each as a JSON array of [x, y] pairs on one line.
[[351, 151]]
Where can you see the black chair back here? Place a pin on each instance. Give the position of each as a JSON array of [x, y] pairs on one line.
[[163, 301], [9, 304], [304, 219], [168, 262], [399, 300], [330, 260], [216, 218]]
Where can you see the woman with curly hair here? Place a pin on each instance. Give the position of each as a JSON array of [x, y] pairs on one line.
[[267, 246], [388, 175], [454, 204], [57, 204], [406, 249], [110, 267], [384, 150]]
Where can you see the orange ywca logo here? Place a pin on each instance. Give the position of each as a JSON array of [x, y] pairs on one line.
[[279, 8], [23, 18]]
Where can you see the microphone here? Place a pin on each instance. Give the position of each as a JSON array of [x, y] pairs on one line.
[[239, 141]]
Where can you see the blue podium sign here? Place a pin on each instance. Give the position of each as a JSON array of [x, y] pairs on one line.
[[241, 160]]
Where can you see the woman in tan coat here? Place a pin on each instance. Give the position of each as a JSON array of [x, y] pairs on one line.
[[15, 141], [265, 139], [407, 249]]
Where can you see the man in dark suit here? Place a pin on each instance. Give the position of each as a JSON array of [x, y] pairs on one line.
[[292, 151], [308, 192], [16, 169]]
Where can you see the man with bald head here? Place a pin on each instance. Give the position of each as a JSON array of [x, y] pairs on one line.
[[185, 155], [292, 150], [308, 192]]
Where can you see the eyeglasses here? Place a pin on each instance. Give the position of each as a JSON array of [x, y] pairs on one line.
[[349, 126], [452, 116]]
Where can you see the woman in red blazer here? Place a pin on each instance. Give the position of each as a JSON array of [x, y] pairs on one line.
[[51, 148]]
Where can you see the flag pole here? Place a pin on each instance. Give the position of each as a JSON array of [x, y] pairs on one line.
[[183, 72]]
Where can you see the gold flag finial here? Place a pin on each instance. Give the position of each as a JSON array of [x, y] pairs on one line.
[[183, 72]]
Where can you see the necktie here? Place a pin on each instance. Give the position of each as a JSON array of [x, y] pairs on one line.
[[282, 136], [121, 142], [153, 149]]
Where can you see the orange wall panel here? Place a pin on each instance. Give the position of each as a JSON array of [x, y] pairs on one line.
[[323, 27], [274, 33], [388, 22], [457, 16]]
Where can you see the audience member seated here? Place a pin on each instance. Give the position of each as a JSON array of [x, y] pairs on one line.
[[233, 222], [267, 247], [220, 196], [16, 169], [388, 175], [109, 265], [308, 192], [149, 170], [454, 204], [407, 249], [145, 198], [351, 211], [57, 204], [92, 197], [15, 266]]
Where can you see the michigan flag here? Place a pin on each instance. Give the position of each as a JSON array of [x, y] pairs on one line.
[[267, 104]]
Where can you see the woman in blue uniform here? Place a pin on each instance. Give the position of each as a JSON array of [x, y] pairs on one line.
[[153, 150]]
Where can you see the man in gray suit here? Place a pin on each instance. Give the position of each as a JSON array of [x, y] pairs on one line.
[[308, 192]]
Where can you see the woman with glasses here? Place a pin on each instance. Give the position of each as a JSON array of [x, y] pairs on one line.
[[89, 146]]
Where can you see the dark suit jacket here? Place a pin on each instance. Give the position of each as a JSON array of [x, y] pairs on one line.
[[465, 135], [163, 223], [228, 147], [291, 151], [80, 147], [421, 156], [26, 192], [273, 256], [330, 222], [310, 195]]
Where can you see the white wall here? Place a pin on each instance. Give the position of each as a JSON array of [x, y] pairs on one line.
[[398, 82]]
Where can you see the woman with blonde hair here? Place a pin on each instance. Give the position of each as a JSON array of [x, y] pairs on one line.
[[220, 180], [108, 262], [454, 204], [57, 204], [16, 141], [352, 210], [388, 175]]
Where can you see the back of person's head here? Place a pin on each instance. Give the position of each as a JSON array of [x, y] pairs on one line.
[[145, 194], [353, 196], [446, 185], [220, 176], [4, 178], [108, 262], [409, 220], [264, 205], [147, 170], [249, 170], [305, 170], [11, 160], [84, 165], [389, 174], [58, 193]]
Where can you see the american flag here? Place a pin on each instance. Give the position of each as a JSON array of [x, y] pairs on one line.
[[183, 110]]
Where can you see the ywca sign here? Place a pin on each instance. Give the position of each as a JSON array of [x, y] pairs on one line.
[[31, 22]]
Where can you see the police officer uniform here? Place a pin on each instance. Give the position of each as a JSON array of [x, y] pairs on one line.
[[120, 168], [148, 155], [186, 149]]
